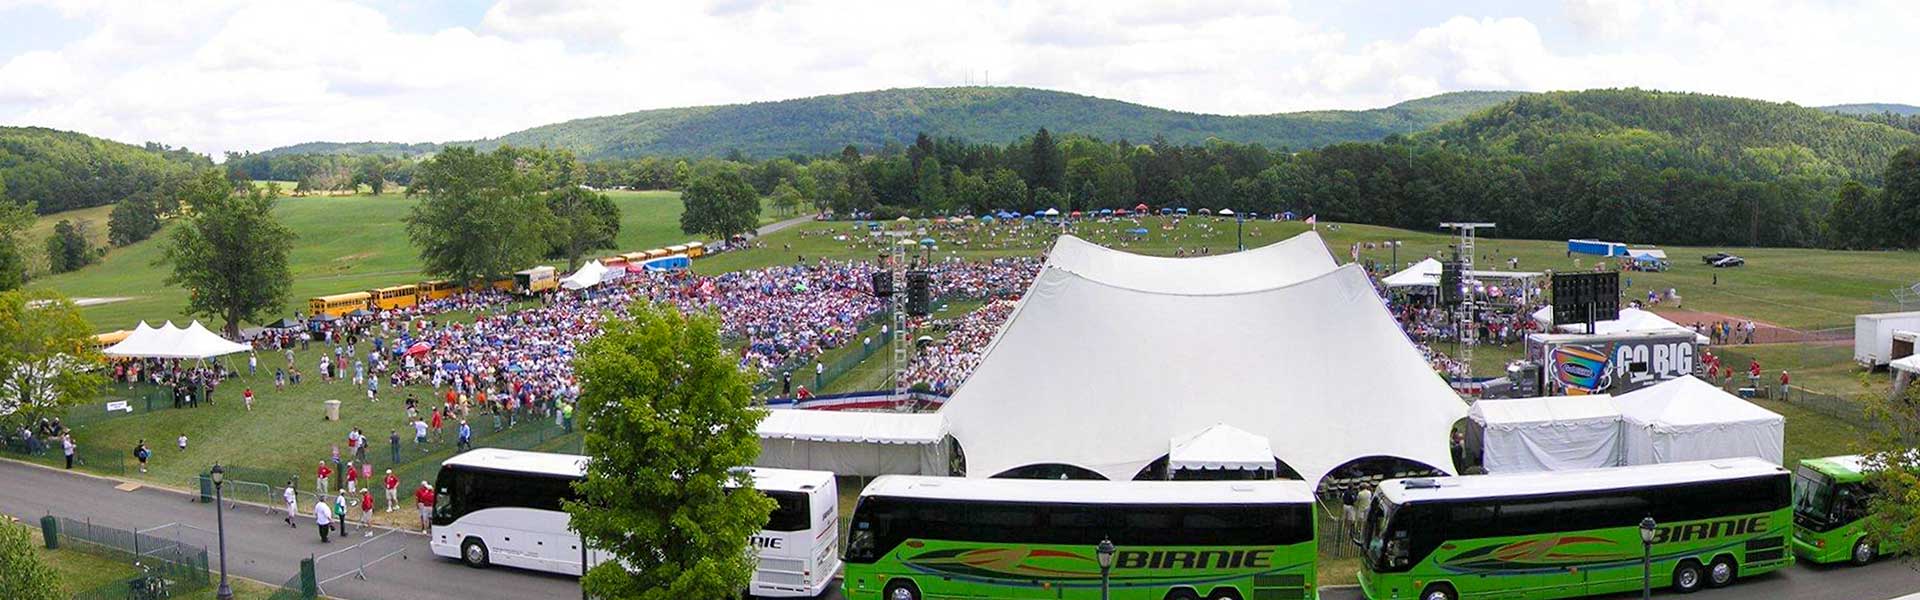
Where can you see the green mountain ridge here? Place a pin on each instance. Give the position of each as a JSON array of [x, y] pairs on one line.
[[870, 120], [1873, 108]]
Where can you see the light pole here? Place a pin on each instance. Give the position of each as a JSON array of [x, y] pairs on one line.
[[219, 475], [1395, 244], [1104, 552], [1239, 231], [1647, 527]]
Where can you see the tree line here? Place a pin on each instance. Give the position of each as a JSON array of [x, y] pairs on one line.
[[323, 172]]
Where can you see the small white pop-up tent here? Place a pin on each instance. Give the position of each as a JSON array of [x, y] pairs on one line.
[[1425, 273], [589, 275], [1557, 433], [1689, 419], [854, 443], [1220, 447]]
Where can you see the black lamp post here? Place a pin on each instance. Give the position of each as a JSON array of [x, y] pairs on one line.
[[1647, 527], [1239, 231], [219, 476], [1104, 552]]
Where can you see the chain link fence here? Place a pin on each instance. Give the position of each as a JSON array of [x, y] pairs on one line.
[[168, 567]]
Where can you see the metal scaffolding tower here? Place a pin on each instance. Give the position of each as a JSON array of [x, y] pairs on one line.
[[899, 337], [1469, 298]]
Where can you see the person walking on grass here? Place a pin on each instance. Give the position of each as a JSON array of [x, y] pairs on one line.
[[340, 504], [323, 517], [1785, 381], [353, 477], [466, 436], [393, 490], [246, 396], [141, 452], [68, 447], [293, 503], [435, 426], [182, 442], [321, 476], [423, 497]]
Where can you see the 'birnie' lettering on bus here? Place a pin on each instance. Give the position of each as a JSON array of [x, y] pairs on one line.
[[1709, 530], [761, 541], [1187, 559]]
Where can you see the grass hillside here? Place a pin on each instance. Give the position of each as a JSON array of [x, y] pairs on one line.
[[63, 170], [347, 243], [976, 114], [1754, 137]]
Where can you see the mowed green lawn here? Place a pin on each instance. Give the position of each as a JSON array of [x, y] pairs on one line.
[[346, 243], [1789, 287]]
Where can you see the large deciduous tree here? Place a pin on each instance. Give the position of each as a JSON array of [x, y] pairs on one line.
[[45, 351], [15, 219], [231, 253], [1893, 471], [583, 220], [668, 422], [480, 215], [720, 204], [67, 248]]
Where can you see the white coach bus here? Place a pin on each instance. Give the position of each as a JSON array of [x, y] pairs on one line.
[[503, 507]]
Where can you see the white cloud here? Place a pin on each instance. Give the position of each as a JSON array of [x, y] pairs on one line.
[[218, 75]]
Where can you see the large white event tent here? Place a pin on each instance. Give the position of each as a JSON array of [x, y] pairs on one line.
[[1110, 356], [1631, 320], [1556, 433], [1689, 419], [854, 443], [169, 341], [589, 275]]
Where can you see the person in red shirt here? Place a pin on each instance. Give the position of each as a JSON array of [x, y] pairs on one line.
[[1753, 370], [1785, 381], [393, 490], [424, 498], [366, 512], [353, 477], [322, 475], [434, 424], [451, 398], [247, 396]]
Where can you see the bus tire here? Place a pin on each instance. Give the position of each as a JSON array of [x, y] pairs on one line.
[[900, 589], [473, 552], [1722, 571], [1225, 593], [1863, 552], [1439, 591], [1182, 594], [1687, 577]]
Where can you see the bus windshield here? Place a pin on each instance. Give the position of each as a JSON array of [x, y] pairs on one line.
[[1812, 495], [1379, 516]]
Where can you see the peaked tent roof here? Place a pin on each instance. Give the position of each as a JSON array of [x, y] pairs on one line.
[[1631, 319], [1221, 446], [1426, 273], [1520, 412], [170, 341], [1100, 373], [1689, 402], [589, 275]]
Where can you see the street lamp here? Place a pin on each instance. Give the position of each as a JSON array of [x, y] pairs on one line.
[[1105, 554], [1239, 231], [219, 476], [1647, 527]]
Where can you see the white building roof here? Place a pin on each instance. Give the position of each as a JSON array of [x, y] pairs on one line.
[[1611, 478], [1099, 375], [1522, 412], [1091, 492], [848, 426]]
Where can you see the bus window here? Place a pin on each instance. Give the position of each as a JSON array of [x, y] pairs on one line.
[[790, 512]]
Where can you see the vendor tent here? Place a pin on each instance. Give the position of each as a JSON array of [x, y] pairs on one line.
[[1689, 419], [173, 342], [589, 275], [1546, 434], [1220, 447], [1109, 355], [1631, 320], [854, 443], [1425, 273]]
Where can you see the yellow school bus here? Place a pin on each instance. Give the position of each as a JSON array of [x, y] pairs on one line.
[[504, 284], [338, 304], [102, 341], [655, 253], [696, 249], [676, 249], [634, 258], [399, 296], [616, 262], [535, 280], [438, 289]]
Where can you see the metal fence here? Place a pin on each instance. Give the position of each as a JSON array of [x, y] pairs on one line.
[[1850, 409], [168, 567]]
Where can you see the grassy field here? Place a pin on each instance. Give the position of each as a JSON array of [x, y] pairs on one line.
[[346, 243], [82, 568]]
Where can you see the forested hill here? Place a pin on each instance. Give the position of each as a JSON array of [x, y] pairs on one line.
[[1751, 138], [1873, 109], [978, 114], [390, 149], [62, 170]]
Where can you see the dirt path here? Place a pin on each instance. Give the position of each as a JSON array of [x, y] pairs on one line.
[[1763, 333]]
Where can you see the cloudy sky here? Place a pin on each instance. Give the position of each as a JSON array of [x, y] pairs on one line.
[[215, 75]]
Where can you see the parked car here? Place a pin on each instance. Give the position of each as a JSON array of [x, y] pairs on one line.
[[1729, 261], [1714, 258]]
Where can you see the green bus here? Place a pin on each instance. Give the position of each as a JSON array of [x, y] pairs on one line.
[[1567, 534], [1830, 503], [944, 537]]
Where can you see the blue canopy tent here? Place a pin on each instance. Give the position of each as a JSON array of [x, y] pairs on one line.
[[1181, 210], [987, 218]]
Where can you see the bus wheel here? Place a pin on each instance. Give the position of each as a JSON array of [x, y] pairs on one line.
[[1721, 572], [1224, 593], [1182, 594], [1439, 591], [1686, 577], [900, 589], [1862, 552], [474, 553]]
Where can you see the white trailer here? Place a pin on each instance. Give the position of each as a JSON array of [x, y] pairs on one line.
[[1873, 337]]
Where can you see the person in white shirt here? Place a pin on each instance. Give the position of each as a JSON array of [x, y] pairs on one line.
[[293, 499], [323, 517]]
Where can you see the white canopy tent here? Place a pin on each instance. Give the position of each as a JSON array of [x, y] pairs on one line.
[[1109, 355], [1631, 320], [1556, 433], [854, 443], [1426, 273], [1903, 370], [1689, 419], [168, 341], [1220, 447], [589, 275]]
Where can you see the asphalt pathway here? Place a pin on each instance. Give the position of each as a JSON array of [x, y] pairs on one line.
[[397, 564]]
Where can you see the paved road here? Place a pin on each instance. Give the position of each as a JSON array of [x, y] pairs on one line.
[[261, 547]]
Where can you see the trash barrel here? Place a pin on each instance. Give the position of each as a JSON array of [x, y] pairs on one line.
[[333, 410], [50, 529]]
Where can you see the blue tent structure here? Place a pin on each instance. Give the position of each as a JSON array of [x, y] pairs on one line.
[[1106, 211], [987, 218], [1181, 210], [1138, 231], [928, 242]]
